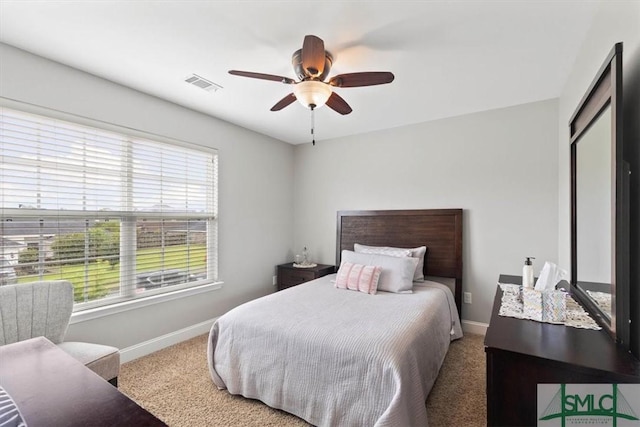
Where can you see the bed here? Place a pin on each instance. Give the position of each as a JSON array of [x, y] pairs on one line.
[[336, 357]]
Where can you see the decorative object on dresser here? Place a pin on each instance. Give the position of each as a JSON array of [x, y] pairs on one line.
[[289, 275], [521, 354], [556, 307]]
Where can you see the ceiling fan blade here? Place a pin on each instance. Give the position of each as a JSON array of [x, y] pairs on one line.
[[262, 76], [369, 78], [313, 55], [336, 103], [284, 102]]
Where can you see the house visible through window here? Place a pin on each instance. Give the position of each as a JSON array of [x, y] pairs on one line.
[[119, 214]]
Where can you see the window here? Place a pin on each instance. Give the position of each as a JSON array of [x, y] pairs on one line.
[[118, 213]]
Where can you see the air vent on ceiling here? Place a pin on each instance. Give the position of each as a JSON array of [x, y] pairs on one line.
[[202, 83]]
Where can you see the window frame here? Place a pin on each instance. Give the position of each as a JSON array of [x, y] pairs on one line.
[[131, 300]]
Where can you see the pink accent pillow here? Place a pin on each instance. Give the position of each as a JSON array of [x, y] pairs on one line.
[[358, 277]]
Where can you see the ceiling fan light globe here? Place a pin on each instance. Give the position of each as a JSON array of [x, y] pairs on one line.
[[312, 92]]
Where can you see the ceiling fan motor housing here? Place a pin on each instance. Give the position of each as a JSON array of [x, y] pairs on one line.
[[296, 61]]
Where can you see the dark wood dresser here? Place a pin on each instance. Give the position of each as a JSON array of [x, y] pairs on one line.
[[288, 275], [51, 388], [523, 353]]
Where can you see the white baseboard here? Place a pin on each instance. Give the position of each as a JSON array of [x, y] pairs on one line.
[[144, 348], [471, 327]]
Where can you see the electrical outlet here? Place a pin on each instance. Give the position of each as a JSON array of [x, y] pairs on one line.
[[467, 297], [275, 280]]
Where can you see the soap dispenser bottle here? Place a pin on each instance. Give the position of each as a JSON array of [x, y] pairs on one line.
[[527, 273]]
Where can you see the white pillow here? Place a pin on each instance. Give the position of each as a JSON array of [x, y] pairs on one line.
[[382, 250], [418, 253], [397, 273]]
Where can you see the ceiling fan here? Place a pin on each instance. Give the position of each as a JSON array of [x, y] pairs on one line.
[[312, 65]]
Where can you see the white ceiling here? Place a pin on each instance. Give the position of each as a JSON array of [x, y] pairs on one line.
[[449, 57]]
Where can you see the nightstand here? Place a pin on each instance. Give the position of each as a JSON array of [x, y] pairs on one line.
[[288, 275]]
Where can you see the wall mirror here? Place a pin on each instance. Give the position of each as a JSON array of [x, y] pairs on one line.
[[599, 202]]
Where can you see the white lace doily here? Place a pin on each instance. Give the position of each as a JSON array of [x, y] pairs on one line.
[[603, 299], [512, 306], [305, 265]]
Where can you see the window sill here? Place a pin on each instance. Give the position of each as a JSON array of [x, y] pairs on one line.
[[96, 313]]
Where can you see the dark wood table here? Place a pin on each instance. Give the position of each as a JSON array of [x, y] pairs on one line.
[[521, 354], [289, 276], [53, 389]]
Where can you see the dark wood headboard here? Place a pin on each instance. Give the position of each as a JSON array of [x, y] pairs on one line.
[[440, 230]]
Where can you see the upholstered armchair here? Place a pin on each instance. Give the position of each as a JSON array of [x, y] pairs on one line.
[[35, 309]]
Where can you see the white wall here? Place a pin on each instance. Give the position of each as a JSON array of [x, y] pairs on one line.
[[616, 21], [500, 166], [255, 190]]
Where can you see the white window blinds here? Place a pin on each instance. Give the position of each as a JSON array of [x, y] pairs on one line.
[[119, 215]]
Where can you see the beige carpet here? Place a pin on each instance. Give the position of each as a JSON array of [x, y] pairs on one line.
[[174, 385]]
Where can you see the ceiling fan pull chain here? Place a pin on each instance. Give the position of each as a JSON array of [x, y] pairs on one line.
[[313, 136]]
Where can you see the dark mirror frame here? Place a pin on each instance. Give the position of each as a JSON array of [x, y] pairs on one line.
[[605, 91]]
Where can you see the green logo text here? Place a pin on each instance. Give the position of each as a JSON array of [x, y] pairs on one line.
[[587, 405]]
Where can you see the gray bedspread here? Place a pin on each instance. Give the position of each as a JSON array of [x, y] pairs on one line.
[[337, 357]]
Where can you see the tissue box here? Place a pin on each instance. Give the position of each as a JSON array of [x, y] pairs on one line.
[[554, 306], [547, 306], [532, 304]]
